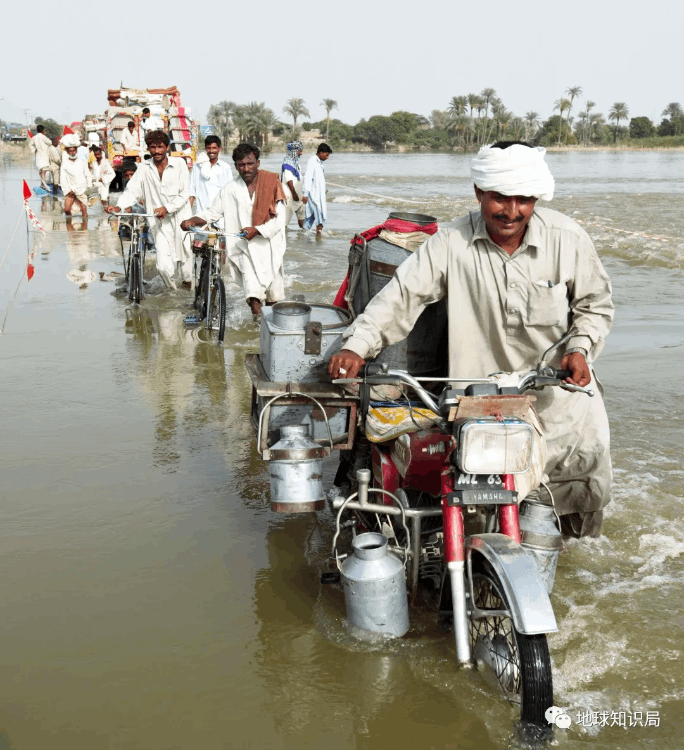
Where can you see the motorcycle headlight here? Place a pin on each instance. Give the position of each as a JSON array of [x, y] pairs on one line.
[[490, 447]]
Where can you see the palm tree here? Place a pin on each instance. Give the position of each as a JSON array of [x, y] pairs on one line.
[[531, 124], [240, 121], [502, 117], [221, 117], [295, 108], [673, 109], [457, 106], [486, 95], [583, 118], [329, 105], [590, 106], [259, 121], [619, 111], [572, 92], [473, 102], [458, 127], [561, 105], [596, 123]]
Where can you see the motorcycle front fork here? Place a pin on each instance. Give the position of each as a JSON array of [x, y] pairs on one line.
[[455, 553]]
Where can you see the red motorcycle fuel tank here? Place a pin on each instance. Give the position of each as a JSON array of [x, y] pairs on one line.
[[412, 460]]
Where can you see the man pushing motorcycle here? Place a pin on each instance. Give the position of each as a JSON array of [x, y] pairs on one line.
[[517, 279]]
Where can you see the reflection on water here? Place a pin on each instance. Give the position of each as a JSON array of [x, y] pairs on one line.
[[152, 600]]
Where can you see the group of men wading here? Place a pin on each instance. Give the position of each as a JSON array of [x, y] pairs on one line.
[[257, 205]]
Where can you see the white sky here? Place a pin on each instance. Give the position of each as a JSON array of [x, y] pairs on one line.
[[372, 57]]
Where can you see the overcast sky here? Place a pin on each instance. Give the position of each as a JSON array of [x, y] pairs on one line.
[[372, 57]]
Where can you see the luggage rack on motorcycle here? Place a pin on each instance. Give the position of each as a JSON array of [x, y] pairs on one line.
[[331, 399]]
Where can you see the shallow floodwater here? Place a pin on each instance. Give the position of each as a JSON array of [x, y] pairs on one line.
[[152, 600]]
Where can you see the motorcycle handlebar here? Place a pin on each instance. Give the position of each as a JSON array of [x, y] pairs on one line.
[[560, 374]]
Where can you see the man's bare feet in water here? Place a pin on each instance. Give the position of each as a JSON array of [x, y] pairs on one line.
[[255, 305]]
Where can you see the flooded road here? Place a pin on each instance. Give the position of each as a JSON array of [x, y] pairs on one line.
[[152, 600]]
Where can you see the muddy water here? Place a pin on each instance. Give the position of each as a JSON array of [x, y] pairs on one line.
[[152, 600]]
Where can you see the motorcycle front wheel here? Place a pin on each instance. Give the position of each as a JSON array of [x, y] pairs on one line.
[[516, 663]]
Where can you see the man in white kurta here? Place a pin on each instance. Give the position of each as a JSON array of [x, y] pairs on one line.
[[507, 306], [162, 183], [208, 176], [40, 146], [256, 261], [75, 177], [128, 138], [103, 174], [149, 123], [313, 188]]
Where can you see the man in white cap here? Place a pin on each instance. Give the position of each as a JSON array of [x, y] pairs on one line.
[[517, 278], [75, 177]]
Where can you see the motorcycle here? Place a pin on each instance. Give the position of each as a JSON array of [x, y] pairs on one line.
[[438, 508]]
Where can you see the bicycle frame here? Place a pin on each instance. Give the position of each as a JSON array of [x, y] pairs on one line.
[[136, 235], [212, 264]]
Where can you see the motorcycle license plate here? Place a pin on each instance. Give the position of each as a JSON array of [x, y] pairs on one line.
[[480, 489]]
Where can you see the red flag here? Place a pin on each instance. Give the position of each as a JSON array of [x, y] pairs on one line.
[[67, 130], [30, 270], [27, 190], [30, 134]]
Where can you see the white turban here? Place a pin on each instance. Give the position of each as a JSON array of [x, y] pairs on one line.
[[70, 140], [516, 170]]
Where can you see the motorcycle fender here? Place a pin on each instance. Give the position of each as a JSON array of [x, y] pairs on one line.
[[528, 600]]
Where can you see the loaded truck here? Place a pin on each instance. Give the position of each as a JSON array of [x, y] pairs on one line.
[[126, 105]]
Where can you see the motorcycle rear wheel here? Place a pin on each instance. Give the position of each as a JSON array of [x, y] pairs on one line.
[[520, 664]]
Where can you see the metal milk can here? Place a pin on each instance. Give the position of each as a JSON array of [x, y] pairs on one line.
[[296, 468], [541, 538], [375, 587]]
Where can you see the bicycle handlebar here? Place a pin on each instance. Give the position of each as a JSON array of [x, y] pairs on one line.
[[216, 233]]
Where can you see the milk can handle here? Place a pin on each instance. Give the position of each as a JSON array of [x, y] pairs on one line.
[[349, 499], [267, 410]]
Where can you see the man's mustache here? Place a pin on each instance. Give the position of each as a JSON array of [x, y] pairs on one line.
[[502, 217]]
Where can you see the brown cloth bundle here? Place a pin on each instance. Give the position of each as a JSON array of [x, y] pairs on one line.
[[267, 193]]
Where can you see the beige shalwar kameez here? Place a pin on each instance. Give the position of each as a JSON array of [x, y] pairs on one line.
[[257, 265], [55, 155], [171, 192], [40, 146], [504, 312]]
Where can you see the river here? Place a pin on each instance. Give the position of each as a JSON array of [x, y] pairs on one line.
[[151, 599]]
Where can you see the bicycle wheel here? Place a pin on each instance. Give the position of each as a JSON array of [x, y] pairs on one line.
[[133, 251], [201, 290], [216, 317], [136, 281], [519, 664]]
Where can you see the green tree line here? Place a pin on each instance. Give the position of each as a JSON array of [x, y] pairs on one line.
[[467, 122]]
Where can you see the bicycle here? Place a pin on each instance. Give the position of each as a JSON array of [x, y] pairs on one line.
[[210, 291], [134, 265]]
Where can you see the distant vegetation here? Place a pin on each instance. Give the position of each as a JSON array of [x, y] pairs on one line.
[[465, 124]]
